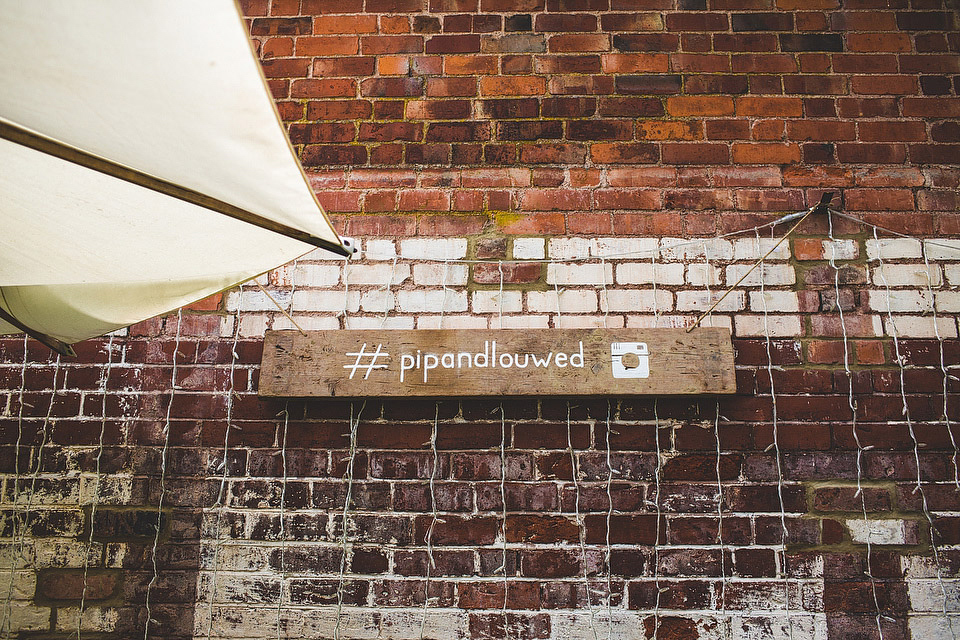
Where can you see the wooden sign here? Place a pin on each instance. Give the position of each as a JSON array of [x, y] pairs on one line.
[[503, 362]]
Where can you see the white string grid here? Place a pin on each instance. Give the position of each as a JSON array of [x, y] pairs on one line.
[[105, 377], [283, 530], [14, 516], [220, 504], [775, 423], [901, 363], [609, 519], [348, 477], [428, 538], [656, 541], [853, 422], [503, 518], [581, 527], [723, 562]]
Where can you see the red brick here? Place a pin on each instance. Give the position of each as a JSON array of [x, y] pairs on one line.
[[695, 153], [765, 153], [892, 131], [681, 106], [634, 63], [578, 43], [317, 88], [769, 106], [531, 223], [878, 199], [555, 200], [821, 130], [511, 272]]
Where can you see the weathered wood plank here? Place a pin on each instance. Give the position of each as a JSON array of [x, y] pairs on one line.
[[503, 362]]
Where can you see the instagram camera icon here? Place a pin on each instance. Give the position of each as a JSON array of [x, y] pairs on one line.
[[630, 359]]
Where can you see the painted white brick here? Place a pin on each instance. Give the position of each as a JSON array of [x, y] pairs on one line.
[[786, 627], [490, 302], [433, 248], [308, 275], [588, 322], [942, 249], [523, 322], [933, 626], [256, 300], [579, 274], [637, 300], [452, 322], [953, 273], [775, 301], [379, 250], [772, 275], [432, 300], [893, 248], [377, 274], [326, 300], [529, 248], [920, 326], [94, 619], [841, 249], [751, 249], [569, 248], [253, 325], [676, 321], [703, 275], [379, 322], [881, 531], [948, 301], [918, 567], [705, 249], [571, 301], [926, 595], [307, 323], [406, 625], [378, 301], [648, 273], [907, 275], [624, 247], [776, 326], [900, 301], [440, 274], [701, 301]]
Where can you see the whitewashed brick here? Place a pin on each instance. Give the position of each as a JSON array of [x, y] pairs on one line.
[[775, 301], [452, 322], [433, 248], [379, 250], [705, 249], [914, 567], [952, 272], [948, 301], [256, 300], [571, 301], [377, 274], [934, 625], [942, 249], [307, 323], [253, 325], [570, 248], [326, 300], [775, 326], [880, 531], [771, 275], [378, 301], [926, 595], [523, 322], [94, 619], [701, 301], [379, 322], [322, 255], [440, 274], [636, 300], [616, 248], [579, 274], [785, 627], [920, 326], [752, 249], [648, 273], [900, 301], [406, 625], [306, 275], [907, 275], [841, 249], [493, 302], [529, 248], [588, 322], [893, 248], [704, 275], [676, 321], [432, 301]]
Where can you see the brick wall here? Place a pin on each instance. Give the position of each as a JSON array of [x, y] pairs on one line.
[[542, 163]]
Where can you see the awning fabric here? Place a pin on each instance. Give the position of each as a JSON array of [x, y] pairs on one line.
[[142, 164]]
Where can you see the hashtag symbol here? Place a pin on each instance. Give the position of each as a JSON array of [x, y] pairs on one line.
[[370, 365]]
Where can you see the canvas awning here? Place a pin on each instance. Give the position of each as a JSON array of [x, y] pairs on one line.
[[143, 165]]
